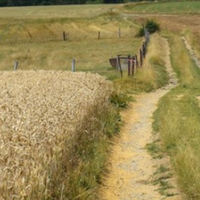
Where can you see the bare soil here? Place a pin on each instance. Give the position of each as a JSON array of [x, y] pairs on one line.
[[131, 167]]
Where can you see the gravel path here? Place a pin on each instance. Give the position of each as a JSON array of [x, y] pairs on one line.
[[131, 166]]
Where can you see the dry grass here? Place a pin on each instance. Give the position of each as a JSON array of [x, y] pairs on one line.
[[36, 42], [43, 12], [154, 64], [44, 118], [153, 74]]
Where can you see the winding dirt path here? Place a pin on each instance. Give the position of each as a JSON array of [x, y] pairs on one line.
[[131, 166]]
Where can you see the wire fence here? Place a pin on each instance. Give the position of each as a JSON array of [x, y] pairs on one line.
[[60, 35]]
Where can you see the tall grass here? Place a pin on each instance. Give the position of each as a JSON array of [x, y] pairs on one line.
[[152, 74], [177, 120], [55, 130]]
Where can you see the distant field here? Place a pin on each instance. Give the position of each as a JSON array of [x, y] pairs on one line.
[[55, 11], [33, 36], [89, 55], [165, 7]]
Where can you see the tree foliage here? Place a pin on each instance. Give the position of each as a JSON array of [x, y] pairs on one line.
[[53, 2]]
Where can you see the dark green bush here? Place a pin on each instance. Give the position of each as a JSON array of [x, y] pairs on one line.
[[151, 26]]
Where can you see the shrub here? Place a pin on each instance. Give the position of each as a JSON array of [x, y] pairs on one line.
[[151, 26]]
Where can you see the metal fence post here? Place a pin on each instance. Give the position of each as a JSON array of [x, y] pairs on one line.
[[15, 66], [73, 65], [119, 65]]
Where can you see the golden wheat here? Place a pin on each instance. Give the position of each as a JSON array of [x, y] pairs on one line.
[[40, 112]]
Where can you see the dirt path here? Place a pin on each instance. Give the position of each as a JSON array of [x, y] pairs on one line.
[[131, 166], [191, 52]]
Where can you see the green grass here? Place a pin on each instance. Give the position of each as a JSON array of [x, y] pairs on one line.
[[92, 154], [165, 7], [177, 121]]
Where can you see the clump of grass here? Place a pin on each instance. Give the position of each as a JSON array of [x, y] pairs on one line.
[[121, 99], [154, 73], [154, 149], [55, 130]]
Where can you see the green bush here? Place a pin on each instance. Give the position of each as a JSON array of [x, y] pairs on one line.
[[151, 26]]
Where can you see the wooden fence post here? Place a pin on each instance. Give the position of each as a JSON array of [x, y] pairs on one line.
[[119, 32], [64, 36], [15, 66], [133, 65], [144, 50], [141, 58], [136, 61], [129, 65], [73, 65], [99, 35]]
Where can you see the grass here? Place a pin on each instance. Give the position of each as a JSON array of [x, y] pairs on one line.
[[193, 38], [38, 43], [186, 7], [177, 120], [152, 75], [90, 55], [53, 12], [34, 39]]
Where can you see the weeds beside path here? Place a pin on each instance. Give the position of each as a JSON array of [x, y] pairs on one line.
[[131, 166], [191, 52]]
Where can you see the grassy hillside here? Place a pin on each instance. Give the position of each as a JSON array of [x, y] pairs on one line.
[[44, 12], [165, 7], [33, 36]]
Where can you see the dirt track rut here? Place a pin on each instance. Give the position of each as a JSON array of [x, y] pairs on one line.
[[131, 166]]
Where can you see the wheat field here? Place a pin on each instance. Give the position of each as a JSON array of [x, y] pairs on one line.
[[41, 114]]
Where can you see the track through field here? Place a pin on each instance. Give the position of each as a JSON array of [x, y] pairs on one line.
[[131, 166]]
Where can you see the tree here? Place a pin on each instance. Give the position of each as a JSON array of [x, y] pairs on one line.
[[3, 3], [53, 2]]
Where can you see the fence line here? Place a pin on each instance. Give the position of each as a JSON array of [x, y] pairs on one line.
[[131, 62], [64, 36]]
